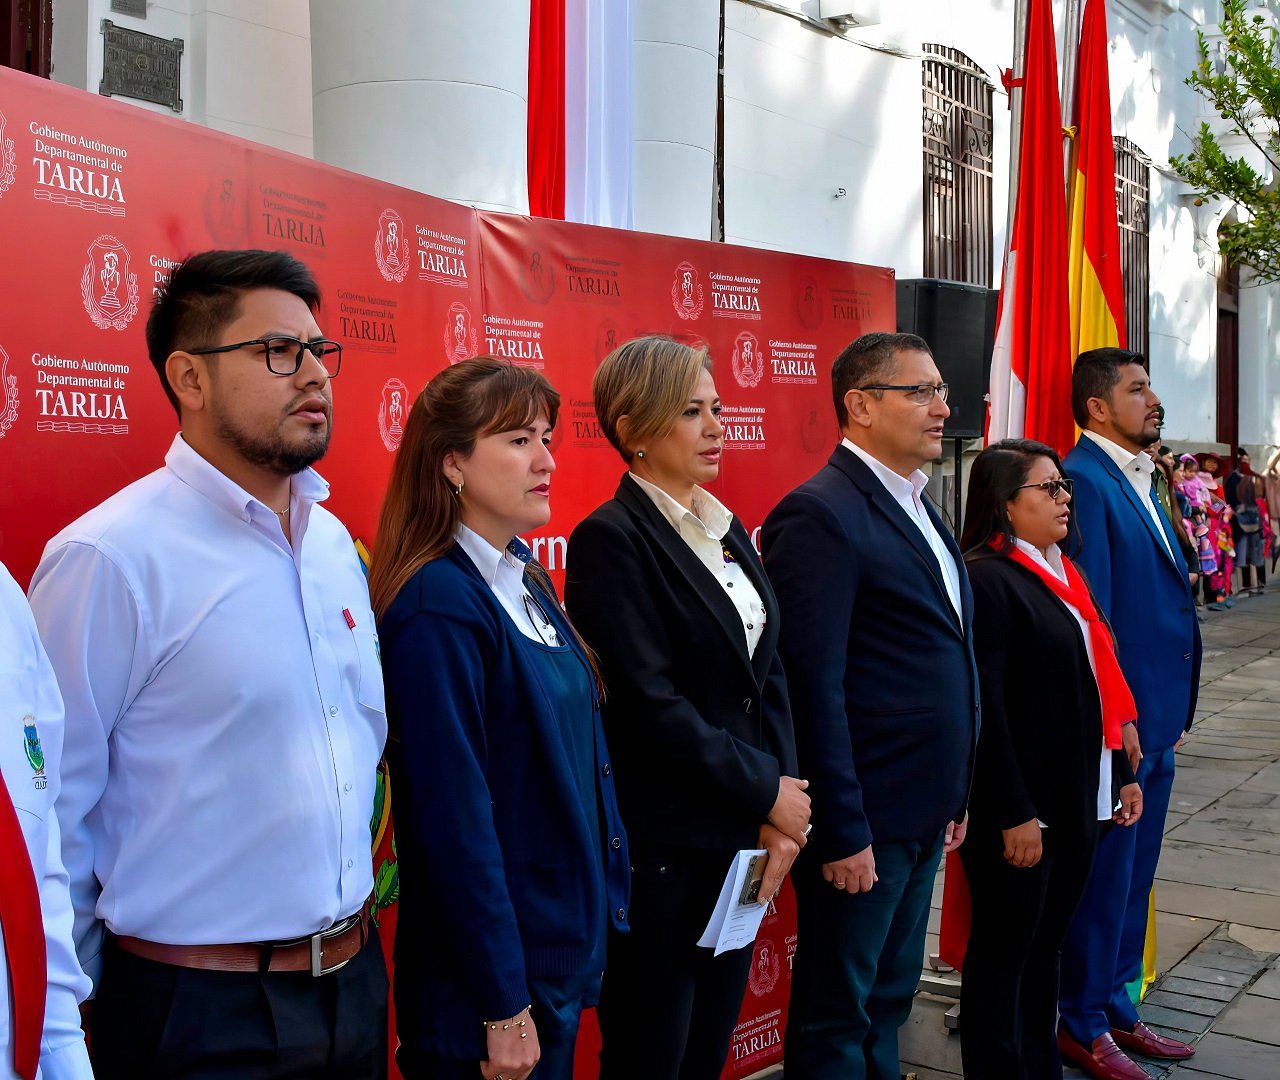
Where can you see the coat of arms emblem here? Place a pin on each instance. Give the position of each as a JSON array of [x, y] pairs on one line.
[[109, 290], [459, 334], [8, 395], [390, 247], [31, 743], [748, 363], [8, 159], [686, 291]]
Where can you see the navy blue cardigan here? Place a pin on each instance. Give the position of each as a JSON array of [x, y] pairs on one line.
[[497, 876]]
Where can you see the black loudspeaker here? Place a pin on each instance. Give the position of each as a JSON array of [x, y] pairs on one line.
[[959, 323]]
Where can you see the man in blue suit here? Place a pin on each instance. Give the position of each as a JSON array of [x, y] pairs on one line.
[[876, 639], [1128, 551]]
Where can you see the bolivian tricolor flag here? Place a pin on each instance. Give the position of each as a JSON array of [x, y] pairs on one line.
[[1096, 288]]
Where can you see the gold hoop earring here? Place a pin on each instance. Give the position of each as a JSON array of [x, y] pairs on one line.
[[457, 492]]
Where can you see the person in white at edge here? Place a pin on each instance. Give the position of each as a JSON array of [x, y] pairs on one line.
[[31, 708], [211, 630]]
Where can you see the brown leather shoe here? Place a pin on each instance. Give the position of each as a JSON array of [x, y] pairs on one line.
[[1142, 1040], [1104, 1060]]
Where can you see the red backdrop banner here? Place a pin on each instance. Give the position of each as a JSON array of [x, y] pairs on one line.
[[99, 201]]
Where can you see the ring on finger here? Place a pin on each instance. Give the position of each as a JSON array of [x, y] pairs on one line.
[[839, 884]]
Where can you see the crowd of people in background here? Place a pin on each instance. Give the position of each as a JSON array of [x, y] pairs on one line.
[[208, 686], [1226, 527]]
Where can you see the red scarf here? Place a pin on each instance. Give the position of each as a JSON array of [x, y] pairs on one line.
[[1118, 706]]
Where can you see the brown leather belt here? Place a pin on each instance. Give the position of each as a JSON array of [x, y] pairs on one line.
[[318, 954]]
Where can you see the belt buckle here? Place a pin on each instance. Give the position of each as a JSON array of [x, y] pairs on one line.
[[317, 948]]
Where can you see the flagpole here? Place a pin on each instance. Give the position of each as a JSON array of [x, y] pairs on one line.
[[1019, 71], [1070, 62]]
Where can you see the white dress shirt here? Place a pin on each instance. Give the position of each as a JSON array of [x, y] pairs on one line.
[[1054, 565], [225, 711], [704, 528], [504, 574], [1138, 470], [906, 493], [30, 697]]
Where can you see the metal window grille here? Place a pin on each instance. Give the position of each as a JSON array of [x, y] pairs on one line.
[[1133, 187], [958, 235]]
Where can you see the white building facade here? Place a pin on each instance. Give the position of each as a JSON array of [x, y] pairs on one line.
[[755, 121]]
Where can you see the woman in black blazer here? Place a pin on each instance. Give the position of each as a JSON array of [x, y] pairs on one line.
[[1049, 766], [665, 587]]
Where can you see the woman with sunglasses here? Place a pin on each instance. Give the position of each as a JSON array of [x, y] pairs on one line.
[[1049, 765], [512, 859]]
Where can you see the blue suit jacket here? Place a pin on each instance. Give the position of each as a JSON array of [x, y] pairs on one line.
[[1141, 586], [498, 880], [881, 673]]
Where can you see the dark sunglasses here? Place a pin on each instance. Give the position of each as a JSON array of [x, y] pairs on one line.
[[1052, 487]]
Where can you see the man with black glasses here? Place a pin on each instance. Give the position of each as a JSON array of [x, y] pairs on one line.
[[876, 638], [211, 631]]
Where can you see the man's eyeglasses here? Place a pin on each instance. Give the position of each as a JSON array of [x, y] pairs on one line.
[[1053, 488], [284, 354], [918, 395]]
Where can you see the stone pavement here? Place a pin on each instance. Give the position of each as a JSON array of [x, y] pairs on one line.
[[1218, 883]]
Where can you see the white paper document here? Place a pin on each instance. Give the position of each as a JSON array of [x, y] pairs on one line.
[[734, 924]]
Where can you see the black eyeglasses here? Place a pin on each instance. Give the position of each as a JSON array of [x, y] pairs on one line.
[[1053, 488], [923, 394], [284, 354], [538, 614]]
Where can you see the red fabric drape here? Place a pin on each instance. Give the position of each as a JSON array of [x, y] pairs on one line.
[[23, 930], [546, 108]]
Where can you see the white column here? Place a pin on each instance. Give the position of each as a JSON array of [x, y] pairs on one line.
[[676, 50], [428, 94]]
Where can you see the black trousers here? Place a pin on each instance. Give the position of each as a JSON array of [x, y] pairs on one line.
[[1009, 994], [153, 1021], [667, 1007]]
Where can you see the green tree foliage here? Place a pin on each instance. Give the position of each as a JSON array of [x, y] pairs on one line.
[[1246, 94]]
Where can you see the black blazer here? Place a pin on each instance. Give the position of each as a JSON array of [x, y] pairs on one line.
[[700, 731], [1041, 715], [881, 672]]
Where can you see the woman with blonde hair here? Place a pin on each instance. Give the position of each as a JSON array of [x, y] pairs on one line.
[[512, 858], [665, 586]]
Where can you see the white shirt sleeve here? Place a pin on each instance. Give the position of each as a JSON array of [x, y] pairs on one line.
[[62, 1053], [90, 623]]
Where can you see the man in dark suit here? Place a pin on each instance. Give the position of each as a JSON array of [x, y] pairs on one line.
[[876, 641], [1131, 557]]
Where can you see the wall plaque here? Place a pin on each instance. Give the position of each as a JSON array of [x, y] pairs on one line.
[[136, 8], [141, 66]]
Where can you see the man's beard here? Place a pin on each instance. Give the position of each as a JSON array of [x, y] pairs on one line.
[[1144, 436], [271, 452]]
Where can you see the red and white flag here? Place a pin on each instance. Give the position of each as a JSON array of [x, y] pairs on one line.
[[581, 111], [1031, 363]]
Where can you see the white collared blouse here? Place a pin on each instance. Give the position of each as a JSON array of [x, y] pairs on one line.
[[703, 528]]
